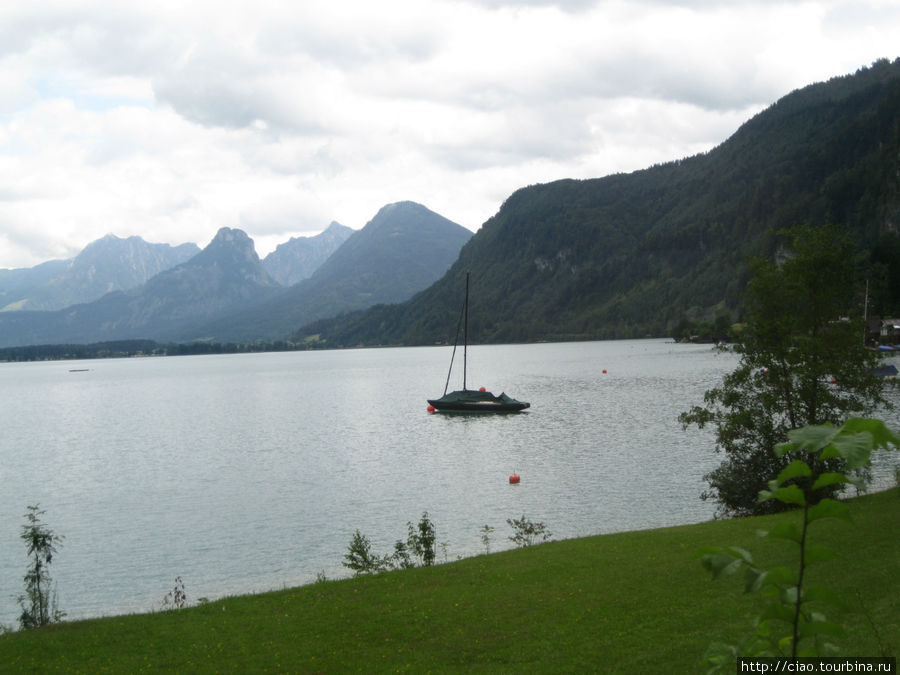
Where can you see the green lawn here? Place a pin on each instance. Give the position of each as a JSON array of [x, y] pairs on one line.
[[636, 602]]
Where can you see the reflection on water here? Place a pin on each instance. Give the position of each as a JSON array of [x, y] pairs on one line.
[[249, 472]]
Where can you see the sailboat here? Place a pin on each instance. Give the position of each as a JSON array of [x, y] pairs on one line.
[[468, 400]]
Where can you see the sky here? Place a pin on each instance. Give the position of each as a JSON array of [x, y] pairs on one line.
[[172, 119]]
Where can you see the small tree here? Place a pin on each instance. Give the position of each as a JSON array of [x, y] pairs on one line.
[[421, 540], [361, 559], [801, 364], [176, 598], [38, 606], [486, 532], [527, 533]]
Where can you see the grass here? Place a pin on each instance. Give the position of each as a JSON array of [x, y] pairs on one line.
[[630, 602]]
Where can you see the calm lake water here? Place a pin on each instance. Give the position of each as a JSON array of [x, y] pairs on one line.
[[244, 473]]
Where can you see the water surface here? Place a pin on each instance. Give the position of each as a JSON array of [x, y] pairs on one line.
[[250, 472]]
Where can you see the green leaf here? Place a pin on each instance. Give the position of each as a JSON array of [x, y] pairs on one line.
[[790, 494], [795, 469], [754, 579], [830, 452], [781, 449], [721, 564], [719, 656], [827, 479], [882, 436], [741, 553], [784, 530], [789, 596], [812, 438], [828, 508], [782, 576], [854, 447]]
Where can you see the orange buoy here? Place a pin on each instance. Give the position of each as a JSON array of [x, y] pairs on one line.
[[481, 389], [431, 408], [514, 478]]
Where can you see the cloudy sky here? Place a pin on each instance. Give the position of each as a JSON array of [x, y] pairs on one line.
[[170, 119]]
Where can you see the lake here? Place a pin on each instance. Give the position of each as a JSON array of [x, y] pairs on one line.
[[243, 473]]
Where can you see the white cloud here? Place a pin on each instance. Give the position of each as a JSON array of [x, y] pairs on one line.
[[170, 119]]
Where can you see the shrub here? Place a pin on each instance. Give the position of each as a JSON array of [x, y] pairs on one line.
[[38, 605]]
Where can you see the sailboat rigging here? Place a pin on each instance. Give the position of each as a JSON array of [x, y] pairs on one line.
[[466, 400]]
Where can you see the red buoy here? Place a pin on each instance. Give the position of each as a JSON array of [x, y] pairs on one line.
[[431, 408], [514, 478], [604, 371], [481, 389]]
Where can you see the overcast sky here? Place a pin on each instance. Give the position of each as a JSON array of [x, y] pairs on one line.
[[170, 119]]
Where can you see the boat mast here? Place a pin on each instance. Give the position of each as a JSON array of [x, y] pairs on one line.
[[463, 313], [466, 332]]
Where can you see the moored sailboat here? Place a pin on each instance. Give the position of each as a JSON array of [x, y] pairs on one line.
[[467, 400]]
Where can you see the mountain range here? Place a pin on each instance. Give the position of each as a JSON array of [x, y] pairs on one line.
[[105, 265], [226, 286], [401, 251], [627, 255]]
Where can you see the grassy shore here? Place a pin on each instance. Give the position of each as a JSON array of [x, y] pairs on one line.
[[636, 602]]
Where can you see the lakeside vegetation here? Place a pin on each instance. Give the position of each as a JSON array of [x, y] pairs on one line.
[[128, 348], [627, 602]]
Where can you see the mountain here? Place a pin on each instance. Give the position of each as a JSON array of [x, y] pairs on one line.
[[105, 265], [14, 284], [297, 259], [630, 255], [401, 251], [225, 276]]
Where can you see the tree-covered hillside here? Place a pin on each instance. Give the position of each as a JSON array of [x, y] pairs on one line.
[[632, 255]]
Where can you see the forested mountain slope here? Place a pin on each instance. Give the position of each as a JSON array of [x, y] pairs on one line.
[[631, 255]]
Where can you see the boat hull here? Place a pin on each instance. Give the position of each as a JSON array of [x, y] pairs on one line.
[[477, 402]]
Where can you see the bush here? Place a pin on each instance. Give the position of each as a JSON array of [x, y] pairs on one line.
[[38, 604], [527, 533]]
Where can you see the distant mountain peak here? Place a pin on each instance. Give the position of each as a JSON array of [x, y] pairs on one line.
[[298, 258], [335, 226], [110, 263], [229, 244], [229, 235], [396, 207]]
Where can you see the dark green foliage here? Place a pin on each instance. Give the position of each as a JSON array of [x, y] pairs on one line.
[[420, 540], [632, 255], [884, 276], [801, 364], [38, 604], [527, 533], [361, 559], [719, 330], [419, 543]]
